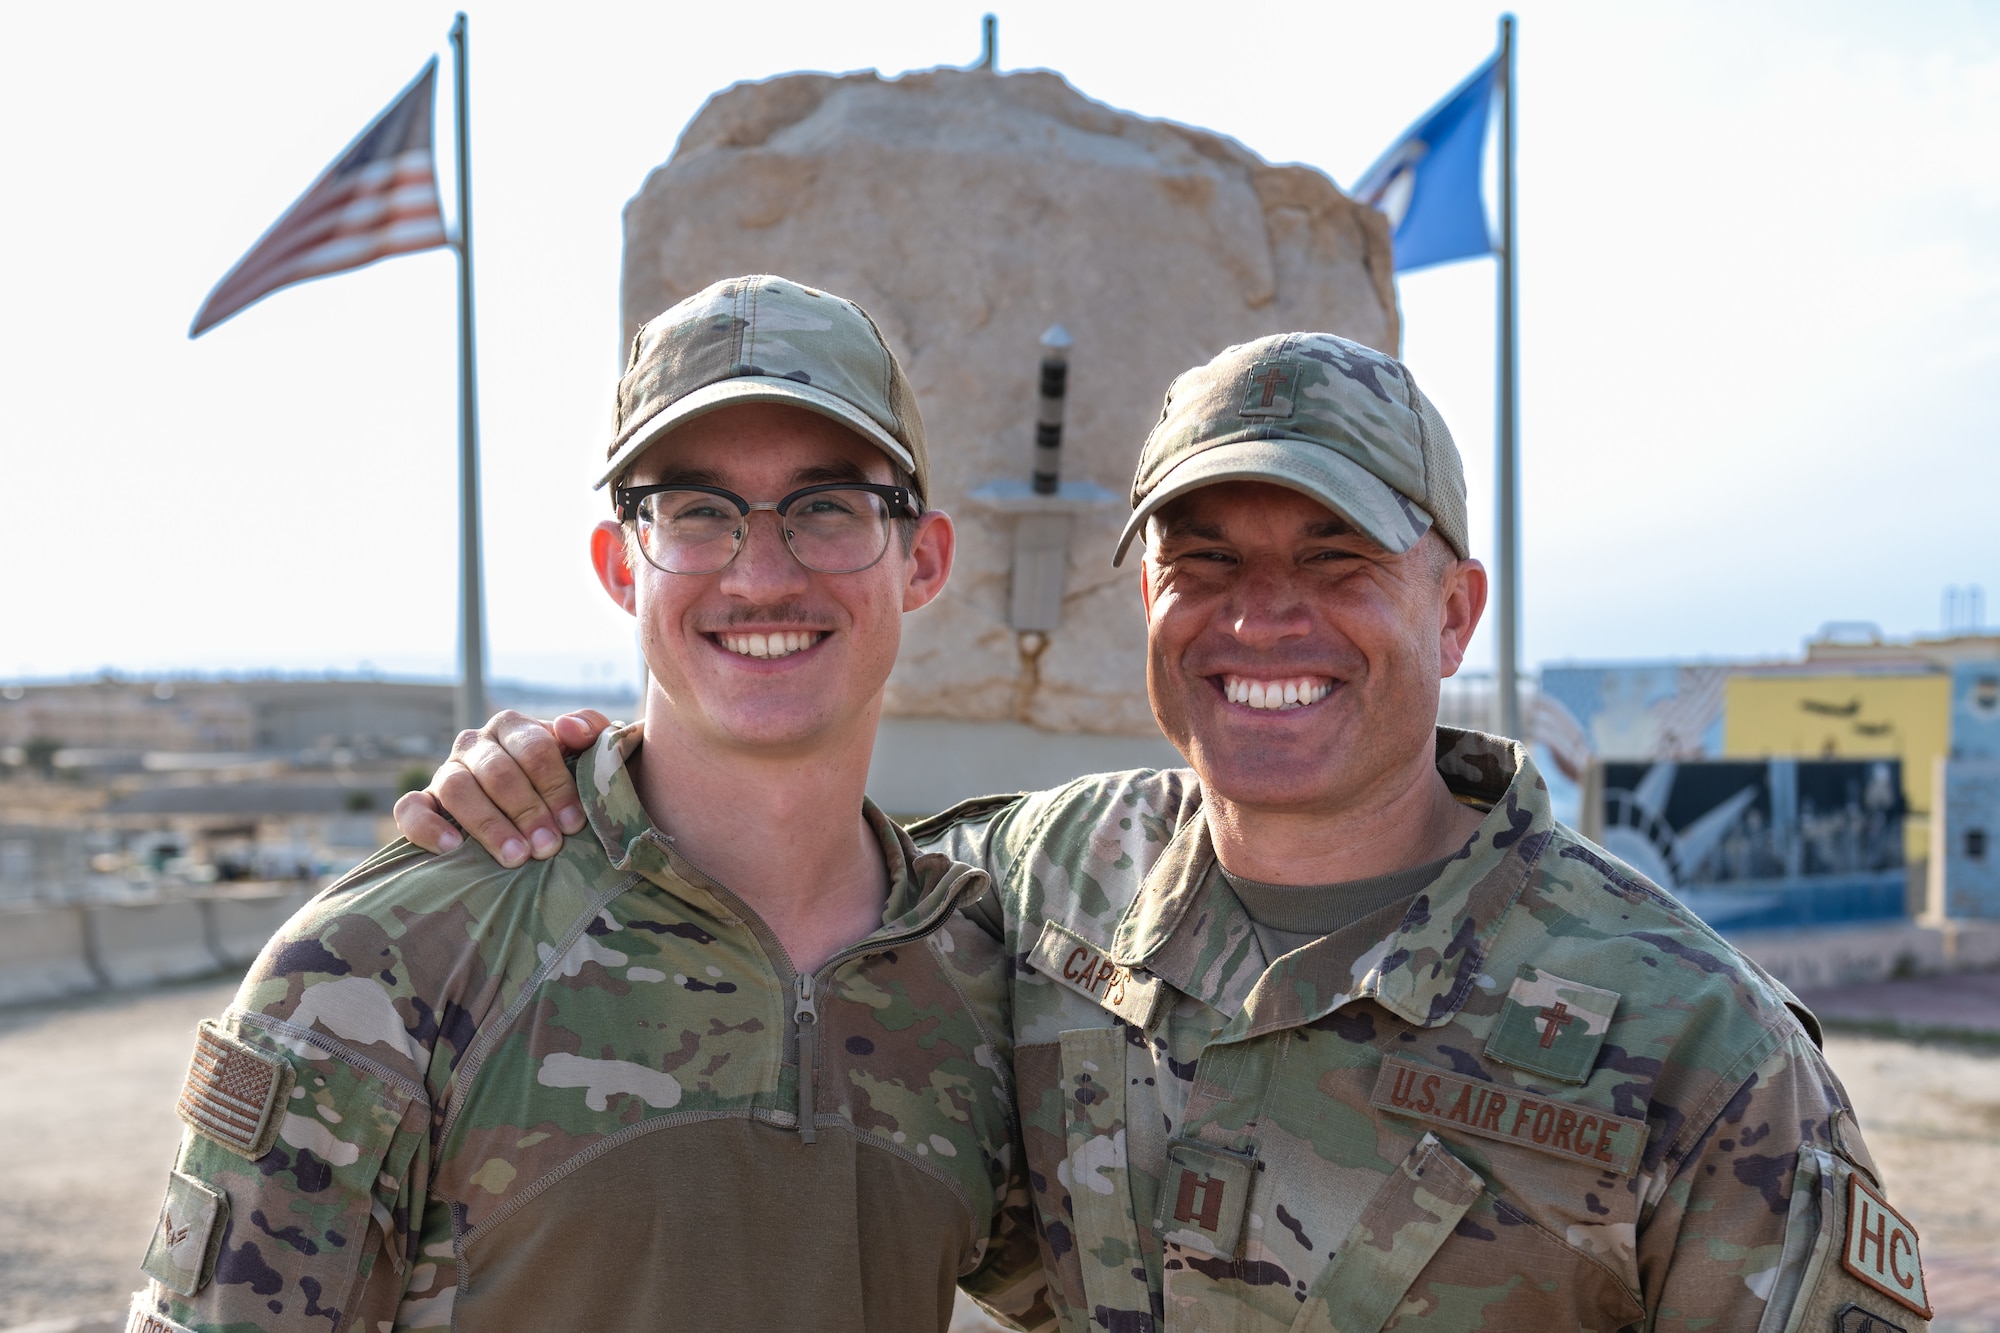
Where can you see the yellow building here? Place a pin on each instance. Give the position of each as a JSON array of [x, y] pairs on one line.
[[1902, 715]]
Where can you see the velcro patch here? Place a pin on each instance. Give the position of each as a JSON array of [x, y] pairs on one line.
[[1881, 1249], [1065, 957], [1578, 1133], [181, 1255], [1853, 1319], [1203, 1195], [1552, 1026], [1269, 390], [235, 1093], [143, 1320]]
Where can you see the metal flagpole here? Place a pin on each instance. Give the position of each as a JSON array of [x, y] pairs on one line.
[[1507, 462], [471, 597]]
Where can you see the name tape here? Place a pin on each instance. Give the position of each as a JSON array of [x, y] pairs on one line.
[[1579, 1133], [1069, 960]]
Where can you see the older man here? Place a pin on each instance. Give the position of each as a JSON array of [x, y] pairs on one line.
[[730, 1058], [1342, 1030]]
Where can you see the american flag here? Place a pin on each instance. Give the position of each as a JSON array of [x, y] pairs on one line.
[[379, 199]]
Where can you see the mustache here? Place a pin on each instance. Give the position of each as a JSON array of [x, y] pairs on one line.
[[767, 617]]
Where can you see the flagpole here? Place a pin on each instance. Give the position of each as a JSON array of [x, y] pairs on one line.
[[471, 597], [1506, 461]]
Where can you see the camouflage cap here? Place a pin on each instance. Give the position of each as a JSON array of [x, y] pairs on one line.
[[764, 339], [1337, 421]]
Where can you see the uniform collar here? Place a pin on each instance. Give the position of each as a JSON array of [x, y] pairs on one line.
[[626, 832], [1187, 927]]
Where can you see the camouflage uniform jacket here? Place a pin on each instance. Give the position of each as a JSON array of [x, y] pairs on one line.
[[1550, 1098], [450, 1095]]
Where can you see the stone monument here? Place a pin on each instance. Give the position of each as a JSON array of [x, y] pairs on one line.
[[968, 212]]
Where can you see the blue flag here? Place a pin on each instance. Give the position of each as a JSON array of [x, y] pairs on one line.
[[1428, 185]]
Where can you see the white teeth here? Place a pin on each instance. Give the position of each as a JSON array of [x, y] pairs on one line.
[[1298, 692], [782, 644]]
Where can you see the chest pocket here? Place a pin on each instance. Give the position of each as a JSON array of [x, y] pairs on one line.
[[1402, 1227], [1096, 1172]]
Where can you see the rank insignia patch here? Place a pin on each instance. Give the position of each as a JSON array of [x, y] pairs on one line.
[[1881, 1249], [235, 1093], [1203, 1194], [1552, 1026], [1270, 389], [181, 1254]]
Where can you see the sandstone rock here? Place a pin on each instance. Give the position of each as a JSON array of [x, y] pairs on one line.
[[968, 211]]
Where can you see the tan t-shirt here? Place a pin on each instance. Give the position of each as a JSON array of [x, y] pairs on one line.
[[1291, 916]]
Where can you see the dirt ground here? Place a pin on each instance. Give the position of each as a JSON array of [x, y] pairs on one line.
[[86, 1090]]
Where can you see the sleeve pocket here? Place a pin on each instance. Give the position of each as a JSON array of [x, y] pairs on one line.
[[1850, 1262], [297, 1228]]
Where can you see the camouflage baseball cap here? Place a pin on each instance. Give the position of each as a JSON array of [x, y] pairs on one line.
[[1337, 421], [764, 339]]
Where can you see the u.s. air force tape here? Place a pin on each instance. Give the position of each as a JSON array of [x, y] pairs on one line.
[[1582, 1134], [1068, 959], [235, 1093]]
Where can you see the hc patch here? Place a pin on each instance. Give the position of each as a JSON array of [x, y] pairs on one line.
[[1881, 1249]]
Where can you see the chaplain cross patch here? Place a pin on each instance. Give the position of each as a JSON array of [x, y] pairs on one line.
[[1552, 1026], [235, 1093], [1269, 391]]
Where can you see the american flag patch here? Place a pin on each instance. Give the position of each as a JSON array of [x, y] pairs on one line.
[[234, 1092]]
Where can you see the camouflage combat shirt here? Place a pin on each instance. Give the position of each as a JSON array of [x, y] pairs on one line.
[[1546, 1097], [569, 1096]]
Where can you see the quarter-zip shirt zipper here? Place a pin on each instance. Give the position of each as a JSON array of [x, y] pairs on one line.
[[806, 986]]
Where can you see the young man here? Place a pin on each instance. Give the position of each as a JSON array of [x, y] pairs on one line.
[[1342, 1030], [729, 1058]]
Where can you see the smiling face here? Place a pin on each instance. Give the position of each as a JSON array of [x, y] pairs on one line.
[[765, 654], [1294, 661]]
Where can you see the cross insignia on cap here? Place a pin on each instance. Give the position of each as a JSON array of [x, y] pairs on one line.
[[1270, 389]]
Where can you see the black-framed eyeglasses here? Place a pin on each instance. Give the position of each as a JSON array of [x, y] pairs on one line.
[[841, 527]]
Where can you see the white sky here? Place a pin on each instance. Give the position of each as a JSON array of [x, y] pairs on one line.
[[1760, 267]]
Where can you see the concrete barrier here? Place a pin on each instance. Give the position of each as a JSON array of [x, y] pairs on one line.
[[140, 944], [238, 926], [1813, 959], [45, 954]]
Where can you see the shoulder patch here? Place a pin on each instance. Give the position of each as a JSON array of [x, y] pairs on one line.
[[235, 1093], [1068, 959], [1579, 1133], [1552, 1026], [181, 1255], [1881, 1249], [932, 825]]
